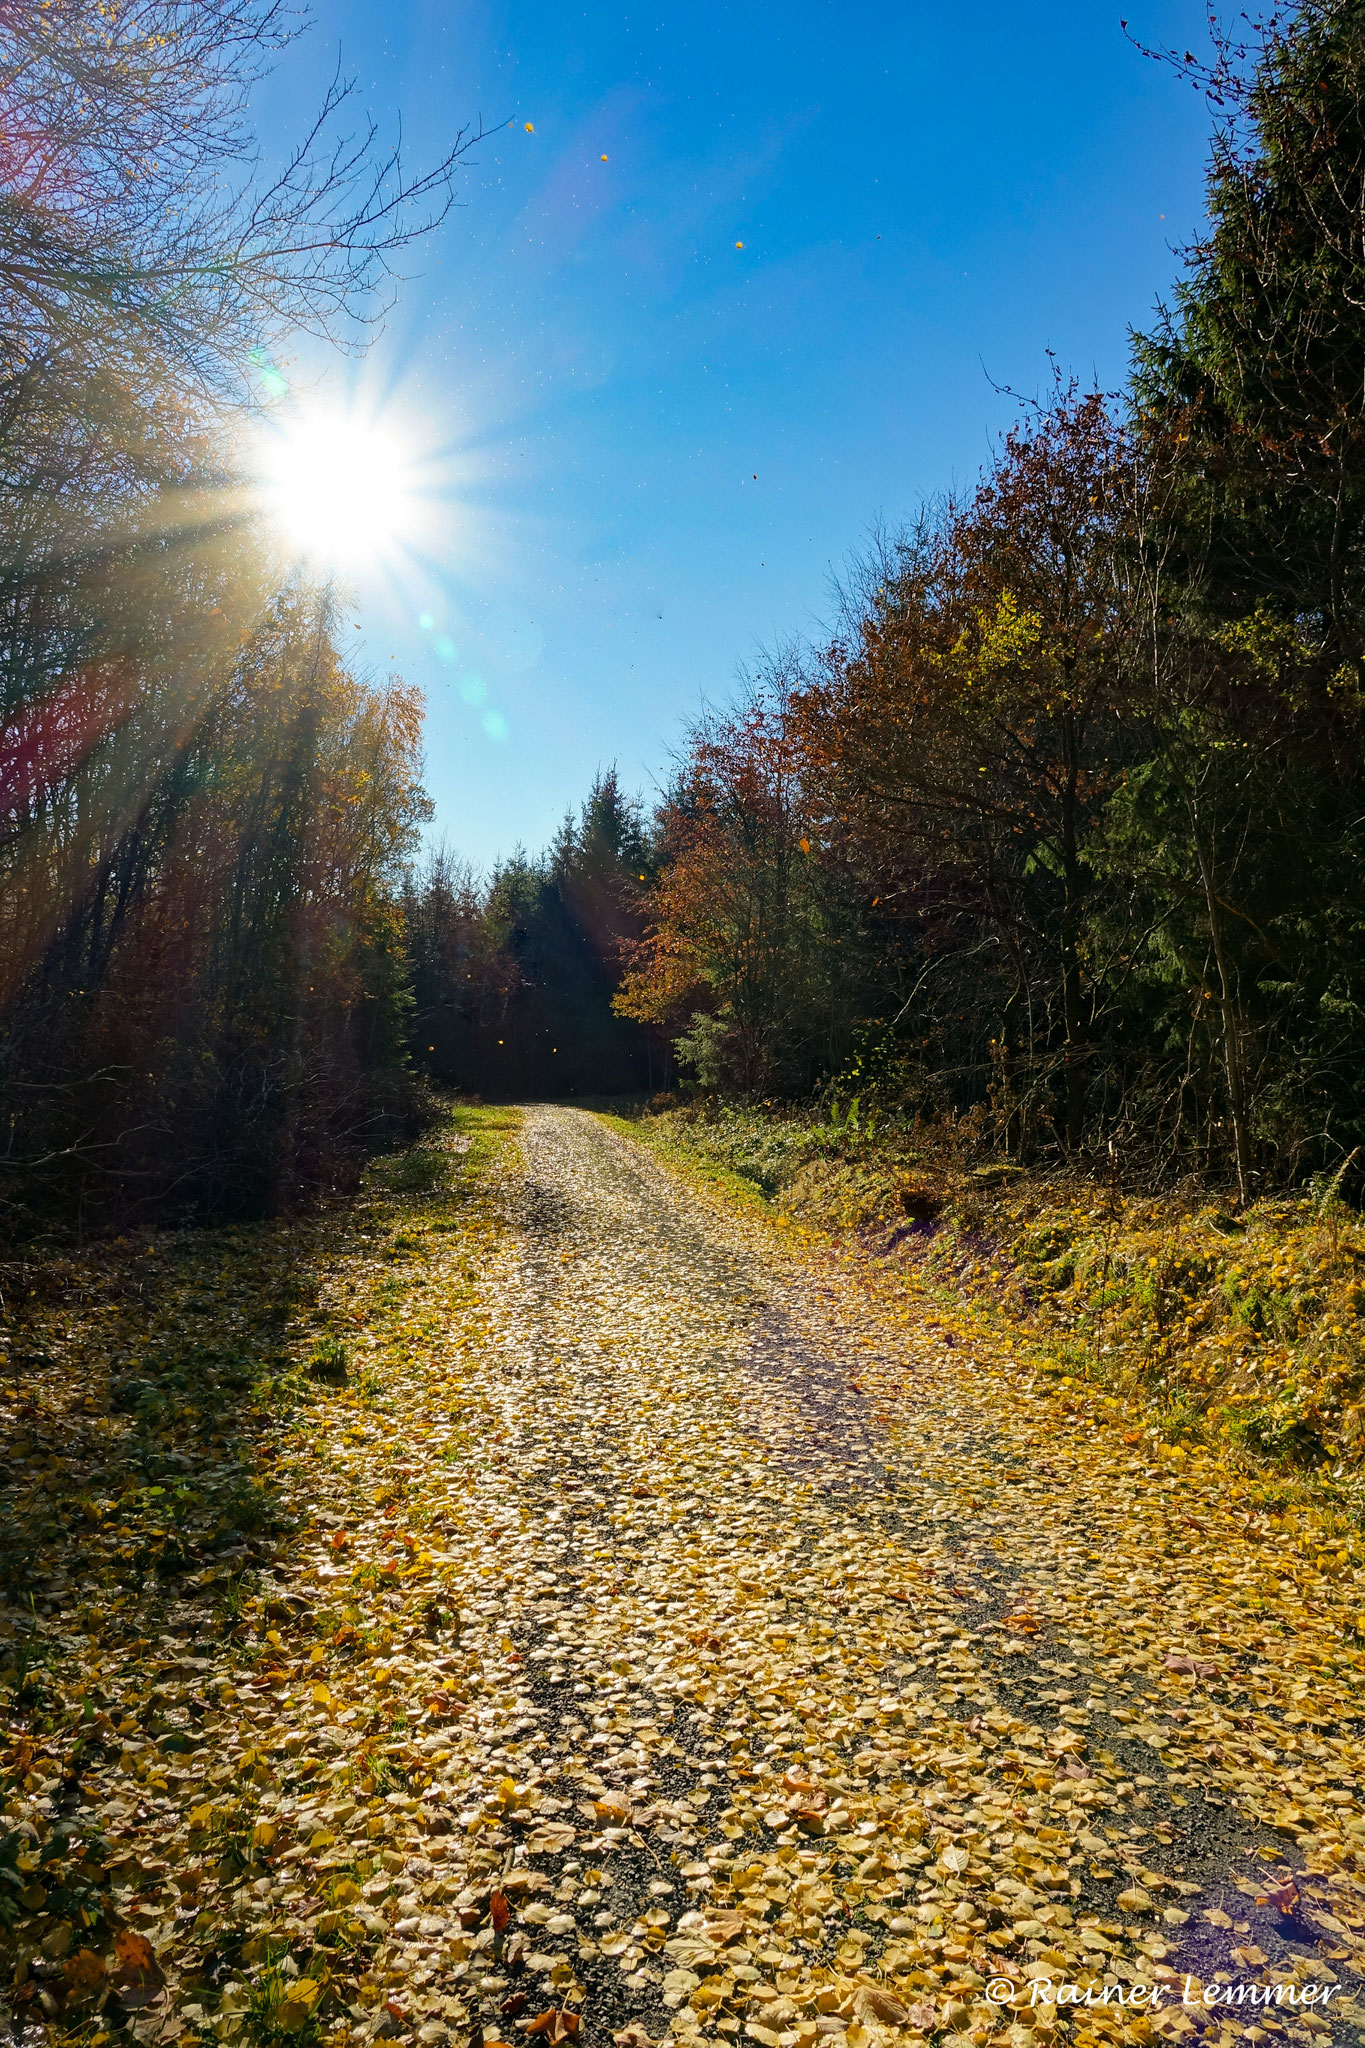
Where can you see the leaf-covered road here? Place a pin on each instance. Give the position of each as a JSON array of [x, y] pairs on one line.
[[670, 1625]]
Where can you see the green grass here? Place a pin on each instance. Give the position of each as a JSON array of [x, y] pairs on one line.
[[696, 1163], [1242, 1329], [430, 1179]]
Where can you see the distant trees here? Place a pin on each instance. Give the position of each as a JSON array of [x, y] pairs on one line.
[[513, 975], [741, 931]]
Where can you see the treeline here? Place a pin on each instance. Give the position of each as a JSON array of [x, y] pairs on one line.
[[204, 815], [1062, 829], [513, 973]]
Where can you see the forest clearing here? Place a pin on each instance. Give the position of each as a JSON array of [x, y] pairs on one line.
[[552, 1595]]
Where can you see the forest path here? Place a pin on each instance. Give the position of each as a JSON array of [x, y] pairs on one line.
[[989, 1691], [546, 1591]]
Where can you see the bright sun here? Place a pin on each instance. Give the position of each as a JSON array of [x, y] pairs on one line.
[[341, 490]]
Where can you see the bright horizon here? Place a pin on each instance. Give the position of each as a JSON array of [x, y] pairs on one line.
[[647, 449]]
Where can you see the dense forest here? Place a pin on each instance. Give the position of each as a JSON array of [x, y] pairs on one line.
[[513, 974], [1058, 829]]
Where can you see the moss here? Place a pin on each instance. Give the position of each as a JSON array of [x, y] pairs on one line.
[[1248, 1327]]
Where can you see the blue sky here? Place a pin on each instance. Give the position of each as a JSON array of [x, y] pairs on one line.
[[654, 446]]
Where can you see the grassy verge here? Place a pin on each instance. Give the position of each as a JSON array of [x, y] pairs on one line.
[[1244, 1329], [698, 1162]]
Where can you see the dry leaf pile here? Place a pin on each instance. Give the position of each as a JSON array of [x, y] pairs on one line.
[[553, 1602]]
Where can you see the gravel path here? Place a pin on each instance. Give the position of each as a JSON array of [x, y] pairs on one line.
[[672, 1630], [668, 1277], [810, 1563]]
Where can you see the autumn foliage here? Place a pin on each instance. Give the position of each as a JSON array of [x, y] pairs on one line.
[[1058, 827], [204, 816]]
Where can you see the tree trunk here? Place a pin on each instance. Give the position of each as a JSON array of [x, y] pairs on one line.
[[1073, 1015], [1229, 1013]]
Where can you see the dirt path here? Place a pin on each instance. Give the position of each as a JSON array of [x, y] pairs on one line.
[[911, 1570], [682, 1630]]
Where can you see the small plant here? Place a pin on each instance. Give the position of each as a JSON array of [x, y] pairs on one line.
[[230, 1841], [702, 1047], [854, 1120], [328, 1362], [231, 1608], [26, 1688], [1285, 1431], [250, 1509], [284, 2006], [141, 1399], [1179, 1420]]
